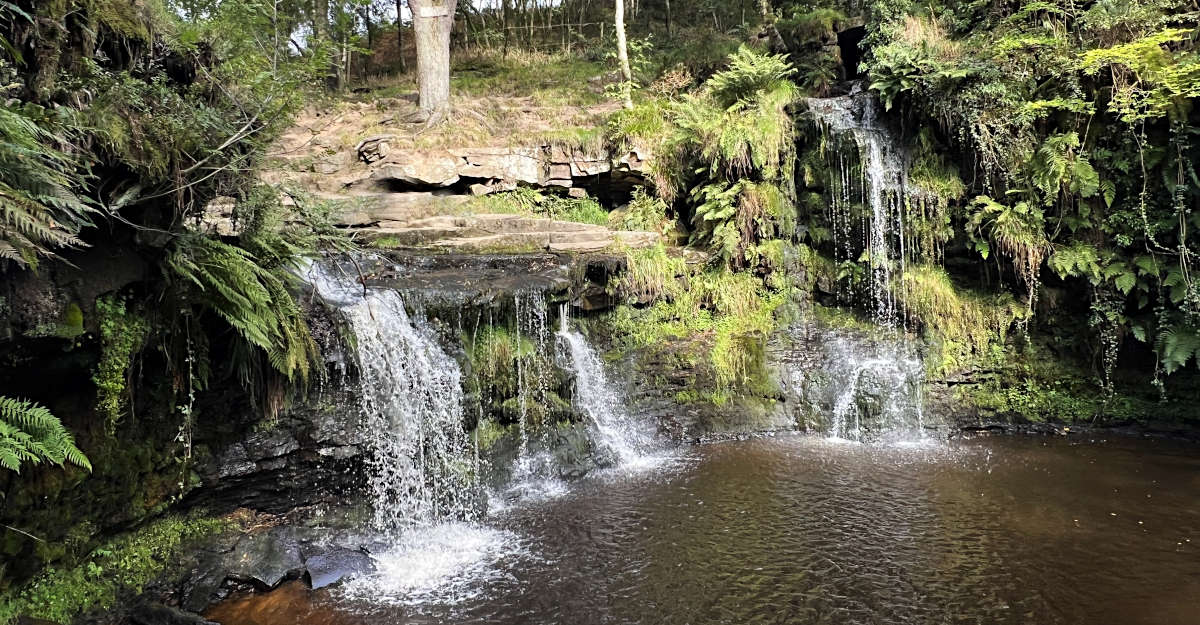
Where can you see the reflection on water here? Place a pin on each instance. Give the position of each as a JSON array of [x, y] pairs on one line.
[[802, 530]]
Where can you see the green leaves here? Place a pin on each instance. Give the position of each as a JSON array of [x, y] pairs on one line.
[[1176, 345], [1154, 76], [40, 212], [30, 434], [1060, 167], [750, 73], [1076, 260], [254, 300]]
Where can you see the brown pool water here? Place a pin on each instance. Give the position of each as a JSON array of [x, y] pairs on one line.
[[800, 530]]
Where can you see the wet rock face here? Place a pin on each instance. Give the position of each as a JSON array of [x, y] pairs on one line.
[[265, 558], [159, 614], [862, 382], [324, 569]]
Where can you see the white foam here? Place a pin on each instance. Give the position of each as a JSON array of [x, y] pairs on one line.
[[445, 563]]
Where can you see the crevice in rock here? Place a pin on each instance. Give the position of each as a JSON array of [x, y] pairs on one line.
[[848, 42]]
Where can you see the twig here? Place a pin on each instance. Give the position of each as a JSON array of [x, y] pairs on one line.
[[24, 532]]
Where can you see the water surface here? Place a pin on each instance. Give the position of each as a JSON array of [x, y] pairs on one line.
[[803, 530]]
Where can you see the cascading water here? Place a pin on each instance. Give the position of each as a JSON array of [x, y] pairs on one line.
[[880, 189], [412, 402], [878, 386], [594, 396], [423, 468], [880, 394], [529, 308]]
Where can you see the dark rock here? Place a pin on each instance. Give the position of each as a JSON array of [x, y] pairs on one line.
[[159, 614], [333, 566], [265, 559]]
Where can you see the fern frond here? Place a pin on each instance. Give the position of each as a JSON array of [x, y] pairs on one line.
[[30, 433]]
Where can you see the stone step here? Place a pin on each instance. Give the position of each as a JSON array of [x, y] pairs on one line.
[[493, 242], [580, 246], [636, 238], [581, 236], [409, 236], [361, 210]]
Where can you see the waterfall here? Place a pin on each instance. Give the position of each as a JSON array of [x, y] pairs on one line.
[[877, 386], [529, 309], [595, 397], [412, 403], [877, 393], [881, 191]]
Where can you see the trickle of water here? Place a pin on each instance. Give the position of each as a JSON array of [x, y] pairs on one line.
[[595, 397], [530, 311], [883, 175], [412, 402]]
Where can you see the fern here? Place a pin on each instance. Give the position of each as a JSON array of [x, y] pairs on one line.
[[39, 211], [1078, 260], [1017, 231], [1176, 345], [749, 73], [253, 300], [30, 434]]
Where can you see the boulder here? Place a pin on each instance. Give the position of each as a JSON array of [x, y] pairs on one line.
[[217, 218], [159, 614], [265, 559], [331, 567], [434, 169], [374, 148]]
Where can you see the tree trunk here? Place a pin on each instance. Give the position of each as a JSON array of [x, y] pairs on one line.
[[507, 23], [321, 18], [366, 18], [668, 18], [400, 35], [471, 30], [432, 22], [623, 57]]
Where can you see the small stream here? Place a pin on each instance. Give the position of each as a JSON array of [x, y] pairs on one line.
[[796, 529]]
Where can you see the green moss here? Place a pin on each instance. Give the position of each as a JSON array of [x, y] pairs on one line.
[[121, 335], [964, 324], [387, 242], [719, 317], [651, 274], [125, 564], [488, 432]]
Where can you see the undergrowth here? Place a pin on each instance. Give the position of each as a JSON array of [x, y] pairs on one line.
[[123, 565]]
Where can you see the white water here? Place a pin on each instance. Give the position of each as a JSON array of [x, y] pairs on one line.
[[447, 563], [894, 406], [881, 191], [411, 400], [877, 393], [421, 473], [529, 309], [595, 397]]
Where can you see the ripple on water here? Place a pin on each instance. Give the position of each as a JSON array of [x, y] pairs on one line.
[[1003, 531]]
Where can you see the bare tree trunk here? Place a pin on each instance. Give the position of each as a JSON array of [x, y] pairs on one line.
[[668, 18], [400, 36], [366, 18], [623, 56], [432, 22], [507, 23], [471, 30], [321, 18]]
